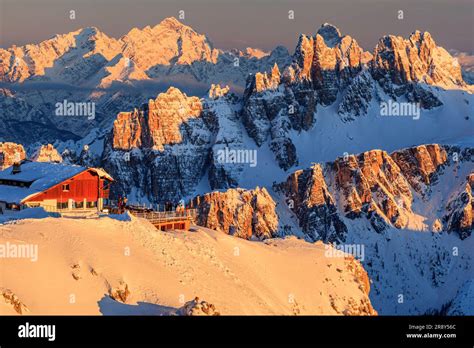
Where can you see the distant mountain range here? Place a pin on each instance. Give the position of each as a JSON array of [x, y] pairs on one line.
[[119, 74], [315, 144]]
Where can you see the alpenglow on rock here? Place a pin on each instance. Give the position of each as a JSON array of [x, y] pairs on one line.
[[379, 187], [165, 148], [416, 59], [158, 123], [161, 148], [47, 153], [460, 216], [11, 153]]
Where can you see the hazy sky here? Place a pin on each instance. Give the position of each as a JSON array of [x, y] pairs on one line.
[[243, 23]]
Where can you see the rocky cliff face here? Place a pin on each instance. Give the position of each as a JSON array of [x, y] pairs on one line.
[[329, 60], [399, 65], [399, 209], [328, 66], [222, 114], [162, 148], [158, 123], [167, 146], [460, 216], [274, 105], [112, 74], [416, 59], [376, 186], [11, 153], [419, 164], [238, 212]]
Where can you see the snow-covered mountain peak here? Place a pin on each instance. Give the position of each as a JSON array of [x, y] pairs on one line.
[[169, 42], [171, 23]]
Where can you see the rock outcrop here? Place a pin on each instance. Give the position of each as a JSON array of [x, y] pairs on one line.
[[374, 185], [158, 123], [166, 147], [329, 65], [308, 196], [216, 91], [416, 59], [121, 293], [336, 59], [223, 119], [242, 213], [264, 81], [401, 67], [197, 307], [419, 164], [162, 148], [460, 217], [47, 153], [275, 103], [13, 300]]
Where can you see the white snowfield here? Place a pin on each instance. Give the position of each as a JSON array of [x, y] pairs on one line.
[[81, 261]]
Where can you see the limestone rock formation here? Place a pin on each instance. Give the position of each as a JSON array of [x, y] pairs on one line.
[[121, 293], [162, 147], [217, 91], [264, 81], [11, 153], [308, 196], [222, 116], [328, 65], [460, 217], [47, 153], [274, 104], [14, 301], [158, 123], [420, 163], [374, 185]]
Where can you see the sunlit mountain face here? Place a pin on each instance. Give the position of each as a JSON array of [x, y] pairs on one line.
[[324, 148]]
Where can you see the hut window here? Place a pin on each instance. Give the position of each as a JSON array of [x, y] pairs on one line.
[[62, 205], [66, 187]]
